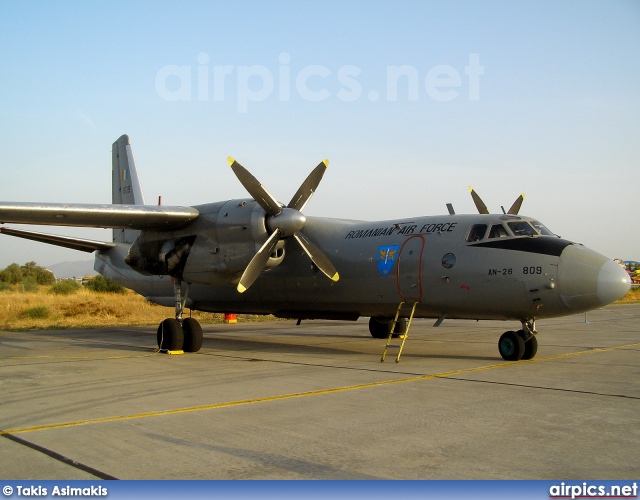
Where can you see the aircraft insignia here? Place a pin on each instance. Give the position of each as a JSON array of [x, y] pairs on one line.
[[387, 256]]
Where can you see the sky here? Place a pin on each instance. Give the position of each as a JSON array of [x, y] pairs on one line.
[[412, 102]]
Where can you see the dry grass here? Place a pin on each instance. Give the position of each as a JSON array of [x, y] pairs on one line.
[[633, 297], [86, 309]]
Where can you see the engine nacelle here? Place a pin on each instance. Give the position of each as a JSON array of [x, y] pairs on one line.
[[241, 231], [217, 247]]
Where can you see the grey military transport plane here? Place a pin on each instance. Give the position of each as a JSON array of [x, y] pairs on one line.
[[261, 257]]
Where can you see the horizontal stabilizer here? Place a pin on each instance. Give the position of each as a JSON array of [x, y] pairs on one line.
[[61, 241], [89, 215]]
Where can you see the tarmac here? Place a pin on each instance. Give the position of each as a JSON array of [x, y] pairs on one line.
[[280, 401]]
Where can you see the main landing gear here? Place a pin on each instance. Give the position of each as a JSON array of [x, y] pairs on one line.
[[177, 334], [380, 328], [514, 346]]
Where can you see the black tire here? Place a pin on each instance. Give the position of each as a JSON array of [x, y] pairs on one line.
[[530, 348], [170, 336], [380, 328], [401, 327], [511, 346], [192, 335]]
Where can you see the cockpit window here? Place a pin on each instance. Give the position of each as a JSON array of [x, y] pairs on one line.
[[522, 228], [498, 231], [541, 228], [477, 232]]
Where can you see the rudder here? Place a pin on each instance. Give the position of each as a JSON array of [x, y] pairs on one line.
[[126, 189]]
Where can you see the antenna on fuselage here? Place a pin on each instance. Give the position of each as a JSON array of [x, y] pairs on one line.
[[450, 208]]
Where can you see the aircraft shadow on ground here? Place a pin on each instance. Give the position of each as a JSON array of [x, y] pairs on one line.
[[143, 339]]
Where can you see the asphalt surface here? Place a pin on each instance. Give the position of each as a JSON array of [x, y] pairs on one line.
[[280, 401]]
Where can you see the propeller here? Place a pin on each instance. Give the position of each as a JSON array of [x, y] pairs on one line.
[[283, 222], [482, 208]]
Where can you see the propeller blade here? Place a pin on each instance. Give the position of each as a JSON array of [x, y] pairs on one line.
[[258, 262], [318, 258], [308, 187], [259, 193], [515, 208], [482, 208]]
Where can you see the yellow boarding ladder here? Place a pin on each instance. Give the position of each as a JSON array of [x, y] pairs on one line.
[[403, 336]]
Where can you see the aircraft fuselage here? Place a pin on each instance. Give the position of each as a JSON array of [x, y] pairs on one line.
[[436, 261]]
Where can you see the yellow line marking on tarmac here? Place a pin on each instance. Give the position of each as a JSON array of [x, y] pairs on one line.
[[81, 358], [319, 392]]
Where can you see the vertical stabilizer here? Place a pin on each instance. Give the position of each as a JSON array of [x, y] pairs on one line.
[[125, 184]]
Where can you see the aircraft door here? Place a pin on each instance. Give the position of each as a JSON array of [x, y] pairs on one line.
[[409, 269]]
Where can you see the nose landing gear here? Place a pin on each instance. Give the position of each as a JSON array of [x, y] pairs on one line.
[[514, 346]]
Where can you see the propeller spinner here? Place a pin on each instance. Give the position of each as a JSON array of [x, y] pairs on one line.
[[482, 208], [283, 222]]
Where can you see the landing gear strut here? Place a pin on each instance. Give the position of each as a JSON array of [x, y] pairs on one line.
[[514, 346], [177, 334]]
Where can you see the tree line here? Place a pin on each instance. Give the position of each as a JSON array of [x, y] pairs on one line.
[[30, 275], [29, 272]]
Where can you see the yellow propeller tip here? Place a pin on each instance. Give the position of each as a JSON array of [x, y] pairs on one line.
[[326, 162], [230, 160], [470, 188], [335, 277], [241, 288]]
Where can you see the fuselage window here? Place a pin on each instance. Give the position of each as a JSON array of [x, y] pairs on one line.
[[522, 229], [498, 231], [476, 233], [541, 228]]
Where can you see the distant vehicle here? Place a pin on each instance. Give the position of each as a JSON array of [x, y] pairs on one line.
[[633, 268]]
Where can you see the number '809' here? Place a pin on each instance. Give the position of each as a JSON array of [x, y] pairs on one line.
[[532, 270]]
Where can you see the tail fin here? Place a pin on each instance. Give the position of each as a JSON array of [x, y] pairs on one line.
[[126, 188]]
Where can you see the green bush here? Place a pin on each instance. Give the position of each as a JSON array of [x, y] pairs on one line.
[[33, 272], [65, 287], [29, 285], [102, 284], [30, 271], [5, 287], [11, 274], [37, 312]]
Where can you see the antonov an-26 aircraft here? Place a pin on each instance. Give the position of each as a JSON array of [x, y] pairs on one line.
[[259, 256]]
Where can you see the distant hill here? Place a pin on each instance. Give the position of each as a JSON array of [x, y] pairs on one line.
[[77, 269]]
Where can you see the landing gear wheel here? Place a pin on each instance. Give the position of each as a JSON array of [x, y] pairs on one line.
[[170, 336], [511, 346], [192, 335], [401, 327], [530, 348], [380, 328]]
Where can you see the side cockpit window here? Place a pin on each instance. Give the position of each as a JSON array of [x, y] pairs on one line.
[[498, 231], [522, 228], [476, 233], [541, 228]]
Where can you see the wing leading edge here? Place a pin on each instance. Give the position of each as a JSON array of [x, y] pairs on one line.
[[144, 217]]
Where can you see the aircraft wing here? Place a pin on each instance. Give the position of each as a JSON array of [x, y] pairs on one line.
[[144, 217], [61, 241]]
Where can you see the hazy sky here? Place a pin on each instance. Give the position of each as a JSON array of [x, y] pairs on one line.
[[411, 102]]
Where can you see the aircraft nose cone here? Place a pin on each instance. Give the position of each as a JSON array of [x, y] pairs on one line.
[[588, 280], [613, 282]]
